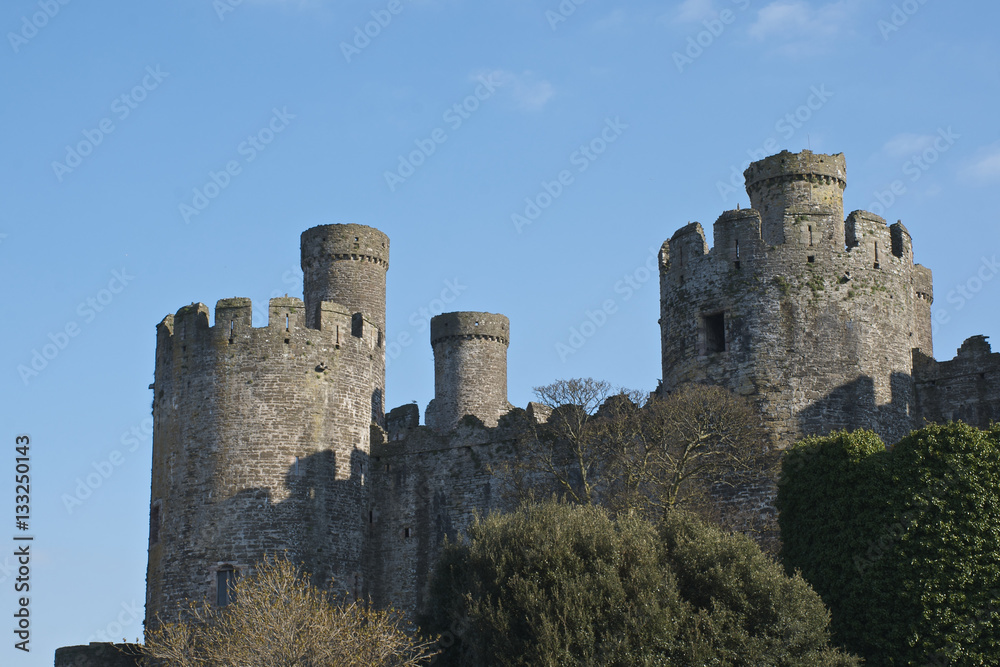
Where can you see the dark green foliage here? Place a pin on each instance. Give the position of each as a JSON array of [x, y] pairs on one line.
[[558, 584], [554, 585], [902, 544], [742, 608]]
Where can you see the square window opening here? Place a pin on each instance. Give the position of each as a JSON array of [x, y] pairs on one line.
[[715, 333]]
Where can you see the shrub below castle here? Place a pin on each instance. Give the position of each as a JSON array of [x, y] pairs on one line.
[[559, 584], [279, 619], [902, 544]]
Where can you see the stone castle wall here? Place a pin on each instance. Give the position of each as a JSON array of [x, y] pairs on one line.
[[810, 315], [428, 486], [966, 388], [261, 436]]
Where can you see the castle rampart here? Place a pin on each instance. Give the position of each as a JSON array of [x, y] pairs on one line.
[[966, 388]]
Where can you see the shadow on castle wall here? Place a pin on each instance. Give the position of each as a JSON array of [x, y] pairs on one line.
[[853, 406]]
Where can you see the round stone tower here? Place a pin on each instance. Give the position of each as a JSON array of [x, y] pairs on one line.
[[811, 315], [799, 197], [262, 435], [346, 264], [470, 368]]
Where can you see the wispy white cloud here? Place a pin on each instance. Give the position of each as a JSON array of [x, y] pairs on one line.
[[985, 167], [693, 10], [906, 145], [528, 91], [797, 27]]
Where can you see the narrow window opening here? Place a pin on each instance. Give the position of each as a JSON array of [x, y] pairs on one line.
[[154, 524], [406, 532], [876, 255], [357, 325], [810, 234], [286, 322], [225, 582], [736, 263], [715, 333]]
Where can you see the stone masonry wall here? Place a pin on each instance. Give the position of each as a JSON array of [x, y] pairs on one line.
[[817, 328], [966, 388], [98, 654], [427, 487], [260, 445]]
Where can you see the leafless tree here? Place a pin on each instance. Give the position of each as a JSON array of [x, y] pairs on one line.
[[279, 619], [697, 448]]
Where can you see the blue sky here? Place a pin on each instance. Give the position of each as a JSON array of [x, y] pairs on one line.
[[158, 154]]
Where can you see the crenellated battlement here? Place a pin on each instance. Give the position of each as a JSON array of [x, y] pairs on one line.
[[868, 243], [286, 324]]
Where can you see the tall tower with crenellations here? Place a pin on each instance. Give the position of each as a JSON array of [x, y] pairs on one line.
[[813, 316], [261, 439]]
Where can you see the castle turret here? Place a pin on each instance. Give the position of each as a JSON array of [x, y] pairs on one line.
[[470, 368], [347, 264], [811, 315], [799, 197], [262, 435]]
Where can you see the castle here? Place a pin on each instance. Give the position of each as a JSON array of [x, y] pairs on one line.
[[276, 439]]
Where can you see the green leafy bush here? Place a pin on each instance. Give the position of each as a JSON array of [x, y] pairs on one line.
[[559, 584], [903, 544]]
